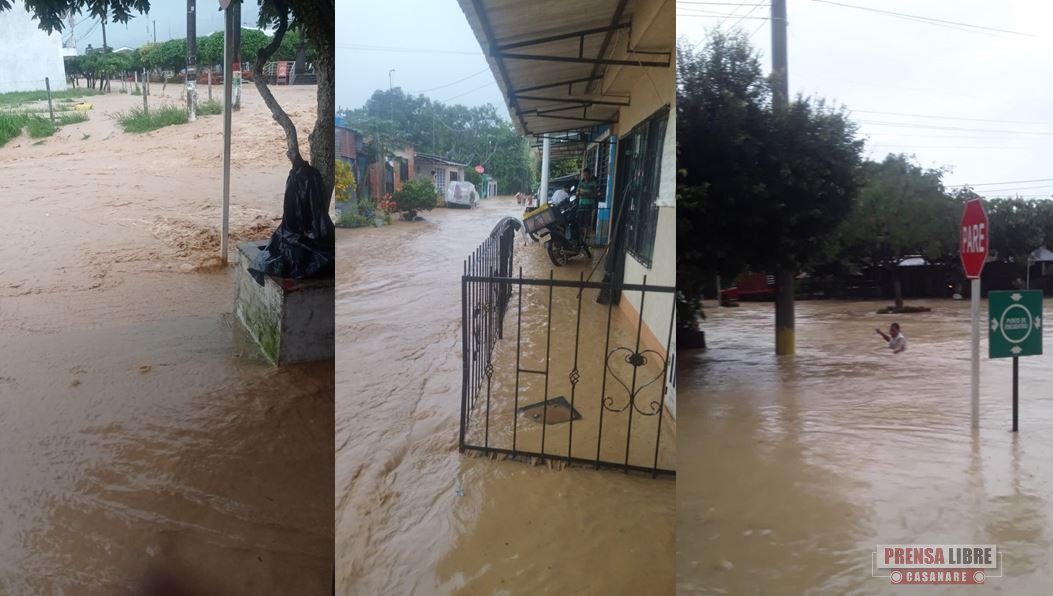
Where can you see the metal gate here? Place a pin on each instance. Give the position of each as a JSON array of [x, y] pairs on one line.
[[525, 340]]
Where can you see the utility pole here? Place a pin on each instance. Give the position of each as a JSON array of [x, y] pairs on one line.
[[228, 55], [784, 275], [104, 35], [155, 31], [191, 59], [236, 51]]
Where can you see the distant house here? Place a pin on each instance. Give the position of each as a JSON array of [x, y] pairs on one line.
[[354, 149], [439, 169], [28, 55]]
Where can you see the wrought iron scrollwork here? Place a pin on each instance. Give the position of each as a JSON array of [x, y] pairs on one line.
[[636, 360]]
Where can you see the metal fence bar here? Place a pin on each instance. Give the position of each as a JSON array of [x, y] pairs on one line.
[[574, 371], [603, 388], [665, 386], [548, 348], [464, 359], [636, 369], [519, 335]]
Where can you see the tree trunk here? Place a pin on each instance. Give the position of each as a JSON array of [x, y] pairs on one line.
[[784, 326], [323, 137], [897, 291]]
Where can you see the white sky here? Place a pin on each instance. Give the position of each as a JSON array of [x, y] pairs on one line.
[[427, 42], [874, 62], [170, 16]]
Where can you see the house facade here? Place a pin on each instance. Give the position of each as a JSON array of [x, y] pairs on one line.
[[598, 82], [441, 170], [28, 55]]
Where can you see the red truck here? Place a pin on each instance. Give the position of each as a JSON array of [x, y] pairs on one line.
[[750, 286]]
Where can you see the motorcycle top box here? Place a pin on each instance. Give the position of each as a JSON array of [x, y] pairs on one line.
[[540, 218]]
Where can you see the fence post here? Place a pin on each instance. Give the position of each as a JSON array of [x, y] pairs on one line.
[[47, 85], [146, 91]]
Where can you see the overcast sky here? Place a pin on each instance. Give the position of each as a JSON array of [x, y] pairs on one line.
[[171, 24], [989, 82], [427, 42]]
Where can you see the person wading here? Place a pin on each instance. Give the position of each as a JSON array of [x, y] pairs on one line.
[[588, 197], [897, 342]]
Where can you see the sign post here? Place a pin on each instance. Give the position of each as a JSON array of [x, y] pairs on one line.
[[973, 245], [1015, 331]]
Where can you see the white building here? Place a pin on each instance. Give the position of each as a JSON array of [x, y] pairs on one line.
[[28, 55]]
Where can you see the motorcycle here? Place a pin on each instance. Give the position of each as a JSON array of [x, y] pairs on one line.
[[560, 223]]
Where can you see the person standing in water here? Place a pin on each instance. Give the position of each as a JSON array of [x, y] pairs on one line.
[[896, 340]]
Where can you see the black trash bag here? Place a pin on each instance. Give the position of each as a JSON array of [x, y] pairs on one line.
[[304, 245]]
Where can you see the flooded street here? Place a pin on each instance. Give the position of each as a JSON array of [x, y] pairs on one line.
[[414, 516], [140, 433], [792, 469]]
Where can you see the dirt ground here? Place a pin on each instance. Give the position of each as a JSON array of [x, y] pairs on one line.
[[140, 432]]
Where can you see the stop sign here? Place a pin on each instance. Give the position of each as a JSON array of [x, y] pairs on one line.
[[975, 238]]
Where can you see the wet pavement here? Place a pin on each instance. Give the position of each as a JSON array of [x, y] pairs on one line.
[[414, 516], [792, 469]]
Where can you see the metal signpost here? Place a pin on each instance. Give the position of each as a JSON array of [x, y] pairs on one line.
[[228, 59], [975, 240], [1015, 331]]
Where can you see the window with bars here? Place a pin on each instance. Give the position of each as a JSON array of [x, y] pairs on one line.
[[641, 158]]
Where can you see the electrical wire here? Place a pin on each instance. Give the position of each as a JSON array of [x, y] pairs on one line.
[[929, 20], [468, 92], [471, 76], [935, 127], [369, 48], [935, 117]]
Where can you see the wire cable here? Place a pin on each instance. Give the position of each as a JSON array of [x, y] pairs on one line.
[[930, 20]]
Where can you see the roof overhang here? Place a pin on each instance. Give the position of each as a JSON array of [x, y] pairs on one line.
[[567, 67]]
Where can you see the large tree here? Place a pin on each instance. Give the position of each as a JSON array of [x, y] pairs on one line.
[[903, 210], [475, 135], [314, 18], [758, 187]]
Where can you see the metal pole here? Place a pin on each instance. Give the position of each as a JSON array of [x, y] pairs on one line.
[[975, 394], [235, 50], [1016, 386], [146, 91], [1028, 274], [47, 85], [227, 55], [543, 191], [191, 58], [785, 341]]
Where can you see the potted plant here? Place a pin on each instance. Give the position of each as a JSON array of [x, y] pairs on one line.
[[415, 195]]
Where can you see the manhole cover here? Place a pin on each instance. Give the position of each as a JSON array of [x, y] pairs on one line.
[[553, 411]]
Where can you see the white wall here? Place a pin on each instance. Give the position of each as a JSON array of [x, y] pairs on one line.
[[28, 54]]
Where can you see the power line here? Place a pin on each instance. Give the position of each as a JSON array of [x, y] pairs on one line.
[[934, 127], [471, 76], [469, 91], [1007, 182], [372, 48], [920, 18], [716, 15], [736, 4], [952, 117]]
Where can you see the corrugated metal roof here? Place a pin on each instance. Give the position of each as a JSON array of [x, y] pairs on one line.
[[565, 65]]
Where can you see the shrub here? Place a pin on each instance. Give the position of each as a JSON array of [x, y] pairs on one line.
[[354, 220], [209, 108], [416, 195], [136, 120]]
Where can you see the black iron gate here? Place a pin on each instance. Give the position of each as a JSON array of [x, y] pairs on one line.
[[525, 340]]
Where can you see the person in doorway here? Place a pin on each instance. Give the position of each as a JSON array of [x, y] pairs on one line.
[[561, 195], [897, 342], [588, 198]]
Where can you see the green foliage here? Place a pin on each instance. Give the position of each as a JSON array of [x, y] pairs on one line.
[[903, 210], [211, 107], [349, 219], [477, 135], [416, 195], [39, 127], [51, 13], [757, 187], [15, 98], [562, 167], [136, 120], [470, 175]]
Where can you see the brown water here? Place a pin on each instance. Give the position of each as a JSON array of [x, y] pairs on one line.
[[414, 516], [792, 469], [140, 434]]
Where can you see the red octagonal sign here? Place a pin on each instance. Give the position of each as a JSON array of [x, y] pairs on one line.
[[975, 238]]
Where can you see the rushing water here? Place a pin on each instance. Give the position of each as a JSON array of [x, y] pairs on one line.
[[792, 469], [141, 437], [414, 516]]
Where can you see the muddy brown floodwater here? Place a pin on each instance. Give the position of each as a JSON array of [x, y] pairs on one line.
[[140, 435], [792, 469], [414, 516]]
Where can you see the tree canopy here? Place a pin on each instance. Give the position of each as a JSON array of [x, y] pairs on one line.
[[757, 187], [473, 135]]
